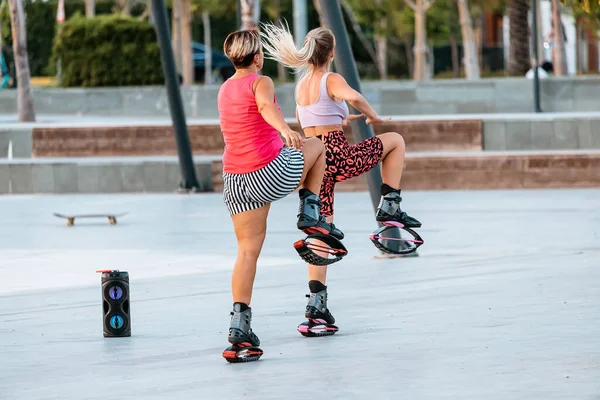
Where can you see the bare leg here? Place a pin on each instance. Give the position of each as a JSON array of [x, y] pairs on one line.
[[314, 164], [392, 166], [250, 230], [392, 163], [317, 272], [319, 319]]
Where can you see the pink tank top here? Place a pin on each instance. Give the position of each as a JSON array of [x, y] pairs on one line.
[[324, 111], [250, 142]]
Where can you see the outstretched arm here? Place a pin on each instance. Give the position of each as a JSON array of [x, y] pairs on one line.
[[339, 88]]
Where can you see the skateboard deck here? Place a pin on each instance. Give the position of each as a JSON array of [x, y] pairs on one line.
[[112, 218]]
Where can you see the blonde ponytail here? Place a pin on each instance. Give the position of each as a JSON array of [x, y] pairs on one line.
[[279, 45]]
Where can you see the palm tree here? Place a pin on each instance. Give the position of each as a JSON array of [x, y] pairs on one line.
[[518, 60], [19, 37]]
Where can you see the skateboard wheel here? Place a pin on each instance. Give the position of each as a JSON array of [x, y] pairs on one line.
[[112, 220], [70, 221]]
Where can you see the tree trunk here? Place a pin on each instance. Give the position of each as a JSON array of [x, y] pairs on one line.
[[247, 11], [19, 37], [318, 9], [148, 12], [410, 60], [208, 47], [381, 46], [420, 48], [187, 60], [518, 60], [430, 61], [125, 7], [478, 33], [90, 8], [60, 12], [578, 55], [176, 34], [381, 42], [470, 58], [559, 53], [454, 55], [281, 73]]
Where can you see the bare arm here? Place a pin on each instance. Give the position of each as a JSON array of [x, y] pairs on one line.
[[264, 95], [339, 88]]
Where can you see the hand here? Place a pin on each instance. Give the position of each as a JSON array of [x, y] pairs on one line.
[[292, 138], [376, 120], [352, 117]]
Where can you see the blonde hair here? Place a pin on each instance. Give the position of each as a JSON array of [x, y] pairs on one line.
[[279, 44], [241, 47]]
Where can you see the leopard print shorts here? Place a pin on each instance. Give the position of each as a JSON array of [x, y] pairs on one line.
[[346, 162]]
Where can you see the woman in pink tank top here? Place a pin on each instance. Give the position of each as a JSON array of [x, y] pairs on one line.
[[322, 112], [258, 170]]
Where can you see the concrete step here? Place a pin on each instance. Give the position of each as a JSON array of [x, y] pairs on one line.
[[423, 171], [100, 174], [496, 170], [487, 170], [206, 138]]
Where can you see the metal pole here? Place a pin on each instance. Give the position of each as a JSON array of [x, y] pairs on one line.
[[331, 16], [536, 78], [300, 25], [186, 162], [300, 22], [256, 12]]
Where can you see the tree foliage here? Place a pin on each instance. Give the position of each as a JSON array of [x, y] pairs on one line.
[[275, 8], [442, 18], [215, 8], [588, 10]]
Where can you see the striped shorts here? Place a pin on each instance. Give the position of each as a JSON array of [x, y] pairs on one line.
[[274, 181]]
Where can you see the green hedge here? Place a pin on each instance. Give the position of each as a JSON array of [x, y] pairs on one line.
[[42, 26], [108, 50]]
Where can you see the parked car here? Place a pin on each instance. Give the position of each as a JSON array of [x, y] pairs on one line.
[[8, 75], [220, 63]]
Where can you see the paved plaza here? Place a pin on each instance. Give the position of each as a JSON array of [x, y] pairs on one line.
[[502, 302]]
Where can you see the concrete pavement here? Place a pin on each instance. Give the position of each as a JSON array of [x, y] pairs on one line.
[[502, 302]]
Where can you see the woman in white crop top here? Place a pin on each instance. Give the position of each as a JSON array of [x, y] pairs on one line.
[[322, 112]]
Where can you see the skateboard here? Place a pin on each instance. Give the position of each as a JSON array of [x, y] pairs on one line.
[[112, 218]]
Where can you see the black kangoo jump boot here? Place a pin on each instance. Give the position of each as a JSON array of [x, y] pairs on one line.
[[389, 210], [310, 219]]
